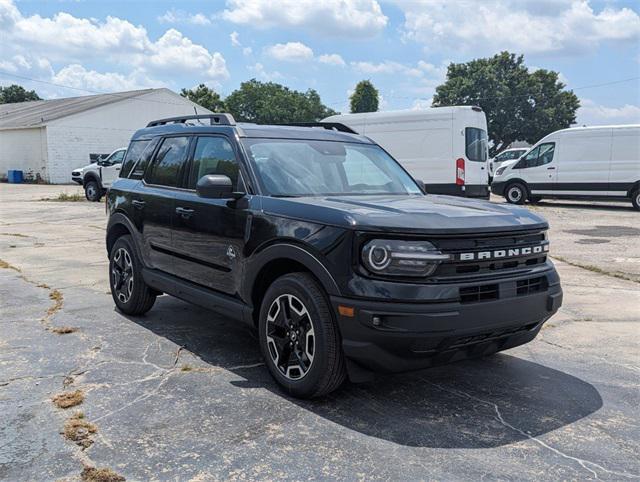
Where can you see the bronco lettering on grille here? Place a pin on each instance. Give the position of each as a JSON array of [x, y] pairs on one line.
[[503, 253]]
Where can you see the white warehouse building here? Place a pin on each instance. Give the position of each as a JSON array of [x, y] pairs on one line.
[[50, 138]]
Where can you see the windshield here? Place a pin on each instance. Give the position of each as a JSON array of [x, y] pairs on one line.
[[313, 168]]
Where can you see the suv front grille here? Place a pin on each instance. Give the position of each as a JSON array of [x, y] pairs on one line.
[[534, 285], [459, 268], [474, 294]]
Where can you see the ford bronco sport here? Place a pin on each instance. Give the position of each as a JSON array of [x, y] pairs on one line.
[[324, 243]]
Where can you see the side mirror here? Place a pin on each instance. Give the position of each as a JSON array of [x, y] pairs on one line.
[[421, 185], [216, 186]]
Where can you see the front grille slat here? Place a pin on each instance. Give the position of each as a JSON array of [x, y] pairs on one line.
[[475, 294]]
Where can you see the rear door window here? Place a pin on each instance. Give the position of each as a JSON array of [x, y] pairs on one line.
[[169, 162], [476, 144]]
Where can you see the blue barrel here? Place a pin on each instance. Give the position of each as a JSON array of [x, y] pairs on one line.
[[15, 177]]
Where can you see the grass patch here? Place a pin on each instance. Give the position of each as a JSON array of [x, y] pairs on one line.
[[102, 474], [68, 399], [16, 235], [65, 197], [79, 431], [57, 298], [5, 265], [594, 269], [63, 330], [186, 368]]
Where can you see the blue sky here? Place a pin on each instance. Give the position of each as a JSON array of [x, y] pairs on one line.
[[402, 46]]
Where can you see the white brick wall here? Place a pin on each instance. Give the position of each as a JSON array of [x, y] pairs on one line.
[[71, 139], [23, 149]]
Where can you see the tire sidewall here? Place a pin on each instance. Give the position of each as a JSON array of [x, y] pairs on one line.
[[290, 285], [635, 199], [125, 242], [519, 187]]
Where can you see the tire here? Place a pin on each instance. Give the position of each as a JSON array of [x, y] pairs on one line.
[[93, 191], [315, 366], [635, 199], [130, 293], [515, 193]]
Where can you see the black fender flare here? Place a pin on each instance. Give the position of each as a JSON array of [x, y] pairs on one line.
[[634, 187], [120, 219], [292, 251], [91, 177]]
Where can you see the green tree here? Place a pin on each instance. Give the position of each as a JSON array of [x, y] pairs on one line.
[[271, 103], [206, 97], [16, 93], [364, 97], [520, 105]]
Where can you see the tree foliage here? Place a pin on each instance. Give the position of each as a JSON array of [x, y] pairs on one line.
[[206, 97], [364, 97], [16, 93], [271, 103], [520, 105]]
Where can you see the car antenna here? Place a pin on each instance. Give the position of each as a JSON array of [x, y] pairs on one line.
[[196, 111]]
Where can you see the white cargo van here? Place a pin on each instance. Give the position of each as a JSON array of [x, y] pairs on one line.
[[444, 147], [580, 162]]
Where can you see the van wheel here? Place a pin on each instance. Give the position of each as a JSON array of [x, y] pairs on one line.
[[92, 191], [516, 193], [635, 199], [130, 293], [299, 338]]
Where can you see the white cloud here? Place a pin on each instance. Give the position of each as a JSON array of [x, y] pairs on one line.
[[350, 18], [290, 52], [235, 41], [247, 51], [591, 113], [526, 26], [420, 70], [260, 72], [67, 40], [331, 59], [421, 104], [77, 76], [174, 16]]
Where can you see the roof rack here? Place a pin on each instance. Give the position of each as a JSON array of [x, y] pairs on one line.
[[331, 126], [214, 119]]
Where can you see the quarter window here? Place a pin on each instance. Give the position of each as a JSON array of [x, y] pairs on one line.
[[213, 155], [169, 161]]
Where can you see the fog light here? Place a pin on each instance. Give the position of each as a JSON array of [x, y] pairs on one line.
[[376, 321]]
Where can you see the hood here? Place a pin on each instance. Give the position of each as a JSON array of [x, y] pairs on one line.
[[506, 164], [84, 168], [429, 214]]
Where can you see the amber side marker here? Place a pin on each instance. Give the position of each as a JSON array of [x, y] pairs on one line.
[[349, 311]]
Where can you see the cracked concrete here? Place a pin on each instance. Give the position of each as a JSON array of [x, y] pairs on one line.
[[561, 407]]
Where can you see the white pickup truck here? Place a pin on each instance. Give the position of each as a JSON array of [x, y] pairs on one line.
[[98, 176]]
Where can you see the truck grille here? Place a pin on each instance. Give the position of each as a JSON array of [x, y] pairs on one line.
[[471, 244], [528, 286], [474, 294]]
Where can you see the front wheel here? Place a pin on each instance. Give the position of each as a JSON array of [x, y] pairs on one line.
[[130, 293], [92, 191], [516, 193], [299, 338], [635, 199]]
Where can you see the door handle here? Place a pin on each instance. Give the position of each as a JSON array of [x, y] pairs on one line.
[[138, 204], [550, 168], [184, 212]]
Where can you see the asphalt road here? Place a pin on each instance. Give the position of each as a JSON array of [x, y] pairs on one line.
[[181, 394]]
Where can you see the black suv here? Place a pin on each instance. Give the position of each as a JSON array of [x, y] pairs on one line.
[[322, 241]]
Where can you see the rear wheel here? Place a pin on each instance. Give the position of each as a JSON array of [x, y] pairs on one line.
[[130, 293], [93, 191], [635, 199], [299, 338], [516, 193]]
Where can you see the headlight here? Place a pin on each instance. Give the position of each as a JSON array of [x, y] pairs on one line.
[[500, 170], [401, 258]]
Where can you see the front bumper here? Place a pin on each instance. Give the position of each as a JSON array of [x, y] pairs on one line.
[[497, 187], [77, 179], [395, 337]]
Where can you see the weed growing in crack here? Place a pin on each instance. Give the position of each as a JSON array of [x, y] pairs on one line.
[[102, 474], [63, 330], [79, 431], [68, 399]]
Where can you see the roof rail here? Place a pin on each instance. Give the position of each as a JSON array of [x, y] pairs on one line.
[[331, 126], [214, 119]]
